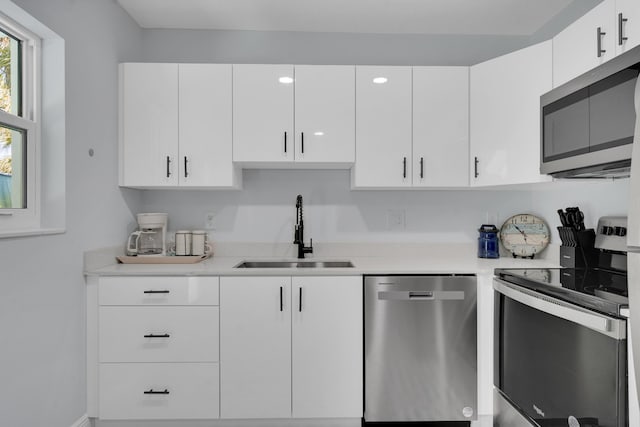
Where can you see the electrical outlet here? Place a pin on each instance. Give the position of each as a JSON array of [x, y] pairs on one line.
[[209, 219], [396, 219]]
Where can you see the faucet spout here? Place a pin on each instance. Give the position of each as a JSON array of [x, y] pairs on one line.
[[298, 235]]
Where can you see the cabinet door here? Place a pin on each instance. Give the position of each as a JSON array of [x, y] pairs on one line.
[[383, 127], [255, 347], [327, 347], [148, 124], [325, 113], [440, 126], [205, 126], [575, 49], [505, 116], [628, 25], [263, 113]]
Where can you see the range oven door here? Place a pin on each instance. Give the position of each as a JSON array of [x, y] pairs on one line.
[[555, 361]]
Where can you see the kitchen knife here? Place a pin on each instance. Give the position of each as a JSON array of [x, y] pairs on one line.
[[563, 218]]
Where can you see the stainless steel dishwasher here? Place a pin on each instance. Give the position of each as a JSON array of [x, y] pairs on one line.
[[420, 348]]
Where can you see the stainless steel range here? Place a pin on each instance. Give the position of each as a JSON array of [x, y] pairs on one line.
[[561, 340]]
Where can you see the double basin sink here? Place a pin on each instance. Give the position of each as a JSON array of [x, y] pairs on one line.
[[295, 264]]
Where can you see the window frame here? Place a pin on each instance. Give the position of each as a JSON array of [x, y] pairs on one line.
[[17, 219]]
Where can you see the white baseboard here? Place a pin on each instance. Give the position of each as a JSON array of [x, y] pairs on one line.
[[83, 421]]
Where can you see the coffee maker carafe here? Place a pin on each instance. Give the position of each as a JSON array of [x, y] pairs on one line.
[[150, 238]]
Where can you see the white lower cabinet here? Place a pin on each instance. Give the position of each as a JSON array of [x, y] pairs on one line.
[[130, 391], [158, 334], [291, 347], [255, 347], [153, 348], [327, 350], [180, 348]]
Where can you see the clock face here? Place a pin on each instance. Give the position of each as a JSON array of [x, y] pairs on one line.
[[524, 235]]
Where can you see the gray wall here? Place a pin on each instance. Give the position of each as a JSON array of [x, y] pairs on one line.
[[42, 291], [264, 210], [237, 47]]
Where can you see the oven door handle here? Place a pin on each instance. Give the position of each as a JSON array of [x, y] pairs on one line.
[[614, 328]]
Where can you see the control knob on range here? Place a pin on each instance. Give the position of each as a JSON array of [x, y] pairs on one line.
[[606, 230]]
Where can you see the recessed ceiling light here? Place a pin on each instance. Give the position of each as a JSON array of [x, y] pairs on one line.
[[380, 80], [318, 133], [285, 80]]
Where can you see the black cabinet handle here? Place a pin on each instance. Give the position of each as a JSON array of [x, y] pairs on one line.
[[621, 37], [157, 292], [152, 391], [285, 142], [599, 34], [404, 167], [168, 167], [300, 301], [186, 173], [302, 142], [475, 166], [281, 302], [421, 167], [157, 336]]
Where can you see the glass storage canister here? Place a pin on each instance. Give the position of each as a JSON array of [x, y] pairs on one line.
[[488, 242]]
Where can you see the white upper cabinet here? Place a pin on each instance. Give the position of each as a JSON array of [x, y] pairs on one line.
[[587, 43], [505, 116], [325, 109], [628, 20], [205, 126], [264, 109], [176, 126], [383, 127], [440, 126], [263, 113], [148, 125]]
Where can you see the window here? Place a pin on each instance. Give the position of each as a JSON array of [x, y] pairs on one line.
[[19, 142]]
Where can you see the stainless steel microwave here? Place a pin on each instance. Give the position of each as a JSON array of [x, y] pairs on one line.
[[587, 124]]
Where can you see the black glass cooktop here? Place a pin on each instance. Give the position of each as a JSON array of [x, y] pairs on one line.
[[596, 289]]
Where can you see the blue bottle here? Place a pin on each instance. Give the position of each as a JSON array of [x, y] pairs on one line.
[[488, 246]]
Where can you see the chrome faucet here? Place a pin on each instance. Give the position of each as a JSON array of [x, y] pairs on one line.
[[298, 237]]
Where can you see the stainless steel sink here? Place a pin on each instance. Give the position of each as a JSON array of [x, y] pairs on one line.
[[294, 264]]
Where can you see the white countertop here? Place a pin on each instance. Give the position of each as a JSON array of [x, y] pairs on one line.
[[380, 259]]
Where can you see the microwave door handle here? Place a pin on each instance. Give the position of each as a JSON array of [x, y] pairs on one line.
[[608, 326]]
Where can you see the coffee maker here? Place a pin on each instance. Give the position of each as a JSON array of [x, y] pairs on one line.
[[150, 238]]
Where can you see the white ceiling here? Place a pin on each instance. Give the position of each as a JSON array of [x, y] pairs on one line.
[[496, 17]]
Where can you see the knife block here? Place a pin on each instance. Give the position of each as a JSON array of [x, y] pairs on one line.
[[577, 250]]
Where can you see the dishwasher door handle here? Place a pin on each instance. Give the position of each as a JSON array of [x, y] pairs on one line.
[[420, 295]]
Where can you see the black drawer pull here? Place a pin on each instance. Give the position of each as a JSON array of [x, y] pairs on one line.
[[152, 391], [157, 292], [157, 336]]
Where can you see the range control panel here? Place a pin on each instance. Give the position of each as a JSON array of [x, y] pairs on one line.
[[611, 233]]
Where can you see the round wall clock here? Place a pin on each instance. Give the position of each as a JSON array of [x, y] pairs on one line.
[[524, 235]]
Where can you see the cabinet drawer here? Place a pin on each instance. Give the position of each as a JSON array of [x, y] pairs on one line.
[[158, 290], [192, 391], [178, 334]]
